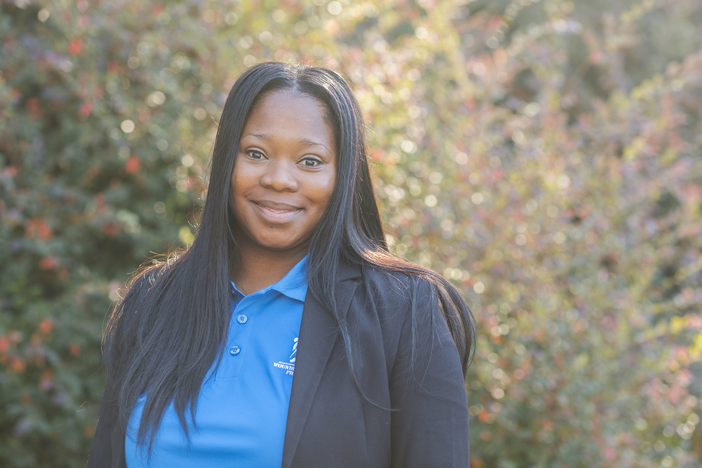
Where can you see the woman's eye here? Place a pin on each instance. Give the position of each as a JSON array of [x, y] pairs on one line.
[[311, 162], [255, 154]]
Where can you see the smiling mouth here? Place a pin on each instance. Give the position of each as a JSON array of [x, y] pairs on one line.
[[277, 207], [277, 212]]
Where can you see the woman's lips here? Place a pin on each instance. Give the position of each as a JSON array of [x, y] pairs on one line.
[[277, 213]]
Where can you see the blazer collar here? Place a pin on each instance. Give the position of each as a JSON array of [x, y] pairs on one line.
[[318, 333]]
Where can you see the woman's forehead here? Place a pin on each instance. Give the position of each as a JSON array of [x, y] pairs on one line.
[[287, 113]]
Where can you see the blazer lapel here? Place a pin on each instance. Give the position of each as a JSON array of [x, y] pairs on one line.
[[318, 333]]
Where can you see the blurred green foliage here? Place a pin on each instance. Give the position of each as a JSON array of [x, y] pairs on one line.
[[544, 155]]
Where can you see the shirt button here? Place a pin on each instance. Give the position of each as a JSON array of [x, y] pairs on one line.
[[241, 318], [234, 350]]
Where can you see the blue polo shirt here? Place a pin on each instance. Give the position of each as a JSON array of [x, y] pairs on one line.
[[243, 405]]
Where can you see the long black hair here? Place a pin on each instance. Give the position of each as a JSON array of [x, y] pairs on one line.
[[171, 326]]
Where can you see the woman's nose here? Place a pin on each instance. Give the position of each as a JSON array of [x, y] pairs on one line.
[[279, 176]]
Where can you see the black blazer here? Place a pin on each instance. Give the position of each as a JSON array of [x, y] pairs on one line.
[[404, 410]]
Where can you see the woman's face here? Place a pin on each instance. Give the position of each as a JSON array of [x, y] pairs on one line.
[[284, 173]]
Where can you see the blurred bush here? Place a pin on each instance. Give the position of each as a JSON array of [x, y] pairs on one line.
[[544, 155]]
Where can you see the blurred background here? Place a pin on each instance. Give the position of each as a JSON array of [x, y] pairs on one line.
[[546, 156]]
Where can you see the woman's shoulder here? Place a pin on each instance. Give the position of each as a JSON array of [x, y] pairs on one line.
[[145, 279], [138, 290], [398, 286]]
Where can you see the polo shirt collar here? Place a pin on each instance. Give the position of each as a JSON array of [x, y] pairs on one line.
[[292, 285]]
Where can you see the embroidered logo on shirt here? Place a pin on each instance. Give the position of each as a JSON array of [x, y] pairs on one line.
[[294, 353], [289, 367]]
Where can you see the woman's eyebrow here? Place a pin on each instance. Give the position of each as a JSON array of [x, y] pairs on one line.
[[303, 141], [262, 136], [307, 142]]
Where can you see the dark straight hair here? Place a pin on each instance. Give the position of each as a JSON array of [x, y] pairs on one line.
[[172, 324]]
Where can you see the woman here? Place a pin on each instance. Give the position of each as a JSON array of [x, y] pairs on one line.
[[287, 335]]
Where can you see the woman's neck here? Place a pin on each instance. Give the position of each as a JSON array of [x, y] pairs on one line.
[[254, 269]]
